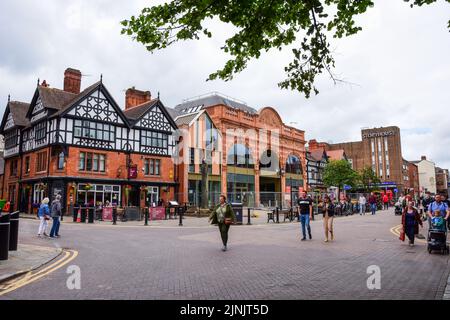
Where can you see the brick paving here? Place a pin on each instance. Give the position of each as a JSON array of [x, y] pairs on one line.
[[264, 261]]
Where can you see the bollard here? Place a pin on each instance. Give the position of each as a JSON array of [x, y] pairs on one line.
[[180, 213], [146, 210], [4, 235], [248, 216], [278, 214], [114, 215], [91, 215], [83, 215], [75, 214], [13, 231]]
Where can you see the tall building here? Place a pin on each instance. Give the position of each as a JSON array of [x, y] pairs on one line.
[[379, 149], [83, 146]]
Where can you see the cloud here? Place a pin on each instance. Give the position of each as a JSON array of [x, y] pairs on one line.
[[398, 65]]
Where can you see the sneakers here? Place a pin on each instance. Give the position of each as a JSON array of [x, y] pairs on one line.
[[326, 240], [303, 239], [224, 248]]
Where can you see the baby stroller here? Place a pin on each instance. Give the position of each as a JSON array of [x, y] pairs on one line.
[[398, 208], [437, 240]]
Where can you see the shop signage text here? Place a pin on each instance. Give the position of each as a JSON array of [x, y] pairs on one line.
[[378, 134]]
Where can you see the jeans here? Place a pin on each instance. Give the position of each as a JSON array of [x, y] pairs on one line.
[[55, 227], [223, 228], [362, 209], [304, 219], [373, 207]]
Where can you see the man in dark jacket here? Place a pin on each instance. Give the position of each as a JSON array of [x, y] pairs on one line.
[[373, 203], [55, 214]]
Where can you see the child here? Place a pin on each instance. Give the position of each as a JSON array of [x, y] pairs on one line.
[[437, 222]]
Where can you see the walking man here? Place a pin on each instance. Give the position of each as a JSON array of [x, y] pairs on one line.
[[305, 208], [362, 204], [55, 214], [426, 201], [386, 201], [373, 203]]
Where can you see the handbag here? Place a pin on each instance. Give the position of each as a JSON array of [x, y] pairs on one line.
[[402, 236], [46, 218], [228, 221]]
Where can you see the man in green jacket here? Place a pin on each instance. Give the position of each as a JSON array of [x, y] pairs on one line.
[[224, 216]]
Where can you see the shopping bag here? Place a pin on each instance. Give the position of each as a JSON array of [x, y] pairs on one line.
[[402, 236]]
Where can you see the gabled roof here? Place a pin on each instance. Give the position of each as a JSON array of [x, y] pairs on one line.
[[186, 119], [318, 154], [211, 100], [135, 113], [18, 111]]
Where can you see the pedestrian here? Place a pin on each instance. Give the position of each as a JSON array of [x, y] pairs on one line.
[[426, 201], [362, 204], [224, 216], [56, 214], [328, 217], [411, 220], [386, 201], [44, 216], [305, 208], [438, 204], [373, 203], [447, 201]]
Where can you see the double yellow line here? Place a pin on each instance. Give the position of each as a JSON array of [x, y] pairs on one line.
[[68, 255], [399, 228]]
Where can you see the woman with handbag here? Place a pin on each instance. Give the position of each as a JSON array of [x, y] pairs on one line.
[[44, 216], [224, 216], [410, 220]]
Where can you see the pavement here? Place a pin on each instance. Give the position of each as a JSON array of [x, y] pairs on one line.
[[264, 261], [27, 258]]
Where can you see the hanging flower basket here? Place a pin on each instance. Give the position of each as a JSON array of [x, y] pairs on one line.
[[88, 187], [42, 186], [127, 187]]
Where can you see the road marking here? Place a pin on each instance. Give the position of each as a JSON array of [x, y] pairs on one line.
[[397, 229], [31, 276]]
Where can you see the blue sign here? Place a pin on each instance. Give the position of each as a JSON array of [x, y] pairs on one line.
[[395, 190], [346, 187]]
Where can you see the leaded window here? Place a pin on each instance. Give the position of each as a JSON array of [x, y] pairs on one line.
[[40, 131], [94, 130], [11, 139], [152, 139]]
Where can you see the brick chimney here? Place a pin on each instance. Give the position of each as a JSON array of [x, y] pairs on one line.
[[134, 97], [313, 145], [72, 80], [423, 158]]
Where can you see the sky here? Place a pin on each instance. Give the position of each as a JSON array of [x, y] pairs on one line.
[[397, 68]]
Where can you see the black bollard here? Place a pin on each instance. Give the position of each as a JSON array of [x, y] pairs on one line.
[[13, 231], [91, 212], [278, 214], [146, 216], [180, 213], [4, 235], [114, 215], [248, 216]]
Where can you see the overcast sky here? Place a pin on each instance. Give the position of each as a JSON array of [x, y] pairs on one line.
[[399, 65]]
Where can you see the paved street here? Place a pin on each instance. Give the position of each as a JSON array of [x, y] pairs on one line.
[[265, 261]]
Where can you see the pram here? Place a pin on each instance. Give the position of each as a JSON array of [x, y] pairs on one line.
[[437, 240]]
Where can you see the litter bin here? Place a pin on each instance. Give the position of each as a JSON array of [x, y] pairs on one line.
[[237, 208], [4, 235], [13, 231]]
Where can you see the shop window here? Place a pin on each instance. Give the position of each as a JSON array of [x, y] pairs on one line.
[[41, 163], [91, 162]]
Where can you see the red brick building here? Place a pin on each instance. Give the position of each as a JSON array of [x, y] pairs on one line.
[[263, 159], [82, 145]]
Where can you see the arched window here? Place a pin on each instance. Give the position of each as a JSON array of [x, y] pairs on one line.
[[61, 161], [293, 165], [240, 156]]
